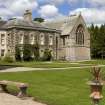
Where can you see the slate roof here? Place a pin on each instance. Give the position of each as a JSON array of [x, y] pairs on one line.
[[65, 25], [2, 23], [21, 23]]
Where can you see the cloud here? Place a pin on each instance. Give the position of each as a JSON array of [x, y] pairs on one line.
[[96, 2], [91, 15], [48, 11], [21, 5], [53, 2], [16, 7], [57, 2], [91, 2], [73, 1]]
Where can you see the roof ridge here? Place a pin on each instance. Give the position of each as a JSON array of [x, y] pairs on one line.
[[64, 19]]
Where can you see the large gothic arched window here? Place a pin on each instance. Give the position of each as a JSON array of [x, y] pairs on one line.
[[80, 35]]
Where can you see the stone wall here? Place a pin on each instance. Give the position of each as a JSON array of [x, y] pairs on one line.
[[69, 51], [72, 51], [14, 38], [3, 46]]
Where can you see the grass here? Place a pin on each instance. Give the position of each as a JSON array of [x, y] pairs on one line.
[[94, 62], [64, 87], [54, 64], [44, 64]]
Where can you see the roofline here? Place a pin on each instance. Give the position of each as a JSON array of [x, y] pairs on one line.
[[32, 28], [76, 22], [2, 29]]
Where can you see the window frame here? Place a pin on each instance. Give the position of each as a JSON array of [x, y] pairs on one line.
[[2, 39], [21, 39], [32, 39], [42, 39], [80, 35], [2, 52], [51, 40]]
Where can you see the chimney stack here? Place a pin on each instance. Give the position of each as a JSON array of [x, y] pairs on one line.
[[28, 15]]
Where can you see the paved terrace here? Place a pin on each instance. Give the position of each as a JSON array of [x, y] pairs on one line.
[[7, 99]]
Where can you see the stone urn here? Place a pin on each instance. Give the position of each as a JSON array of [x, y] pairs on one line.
[[96, 86]]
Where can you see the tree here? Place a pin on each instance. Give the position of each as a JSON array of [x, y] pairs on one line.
[[101, 41], [97, 41], [0, 18], [39, 19], [17, 53], [27, 52], [36, 51]]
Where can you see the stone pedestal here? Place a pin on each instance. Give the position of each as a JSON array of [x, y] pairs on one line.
[[96, 91]]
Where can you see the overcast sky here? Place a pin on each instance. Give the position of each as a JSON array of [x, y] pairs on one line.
[[93, 11]]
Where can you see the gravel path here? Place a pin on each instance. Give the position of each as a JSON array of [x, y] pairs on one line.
[[6, 99], [21, 69]]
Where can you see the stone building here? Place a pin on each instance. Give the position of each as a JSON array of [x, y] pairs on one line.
[[67, 38]]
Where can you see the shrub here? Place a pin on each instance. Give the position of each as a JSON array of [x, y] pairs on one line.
[[36, 52], [27, 52], [47, 55], [17, 53], [8, 59]]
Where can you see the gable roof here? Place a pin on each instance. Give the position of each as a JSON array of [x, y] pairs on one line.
[[65, 25]]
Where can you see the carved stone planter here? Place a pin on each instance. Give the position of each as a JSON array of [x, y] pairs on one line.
[[96, 86], [96, 91]]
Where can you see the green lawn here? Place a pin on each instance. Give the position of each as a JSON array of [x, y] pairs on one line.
[[65, 87], [45, 64], [94, 62], [54, 64]]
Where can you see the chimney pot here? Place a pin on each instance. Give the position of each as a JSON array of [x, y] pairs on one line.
[[28, 15]]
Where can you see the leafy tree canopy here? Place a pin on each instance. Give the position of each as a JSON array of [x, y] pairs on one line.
[[97, 36], [39, 19]]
